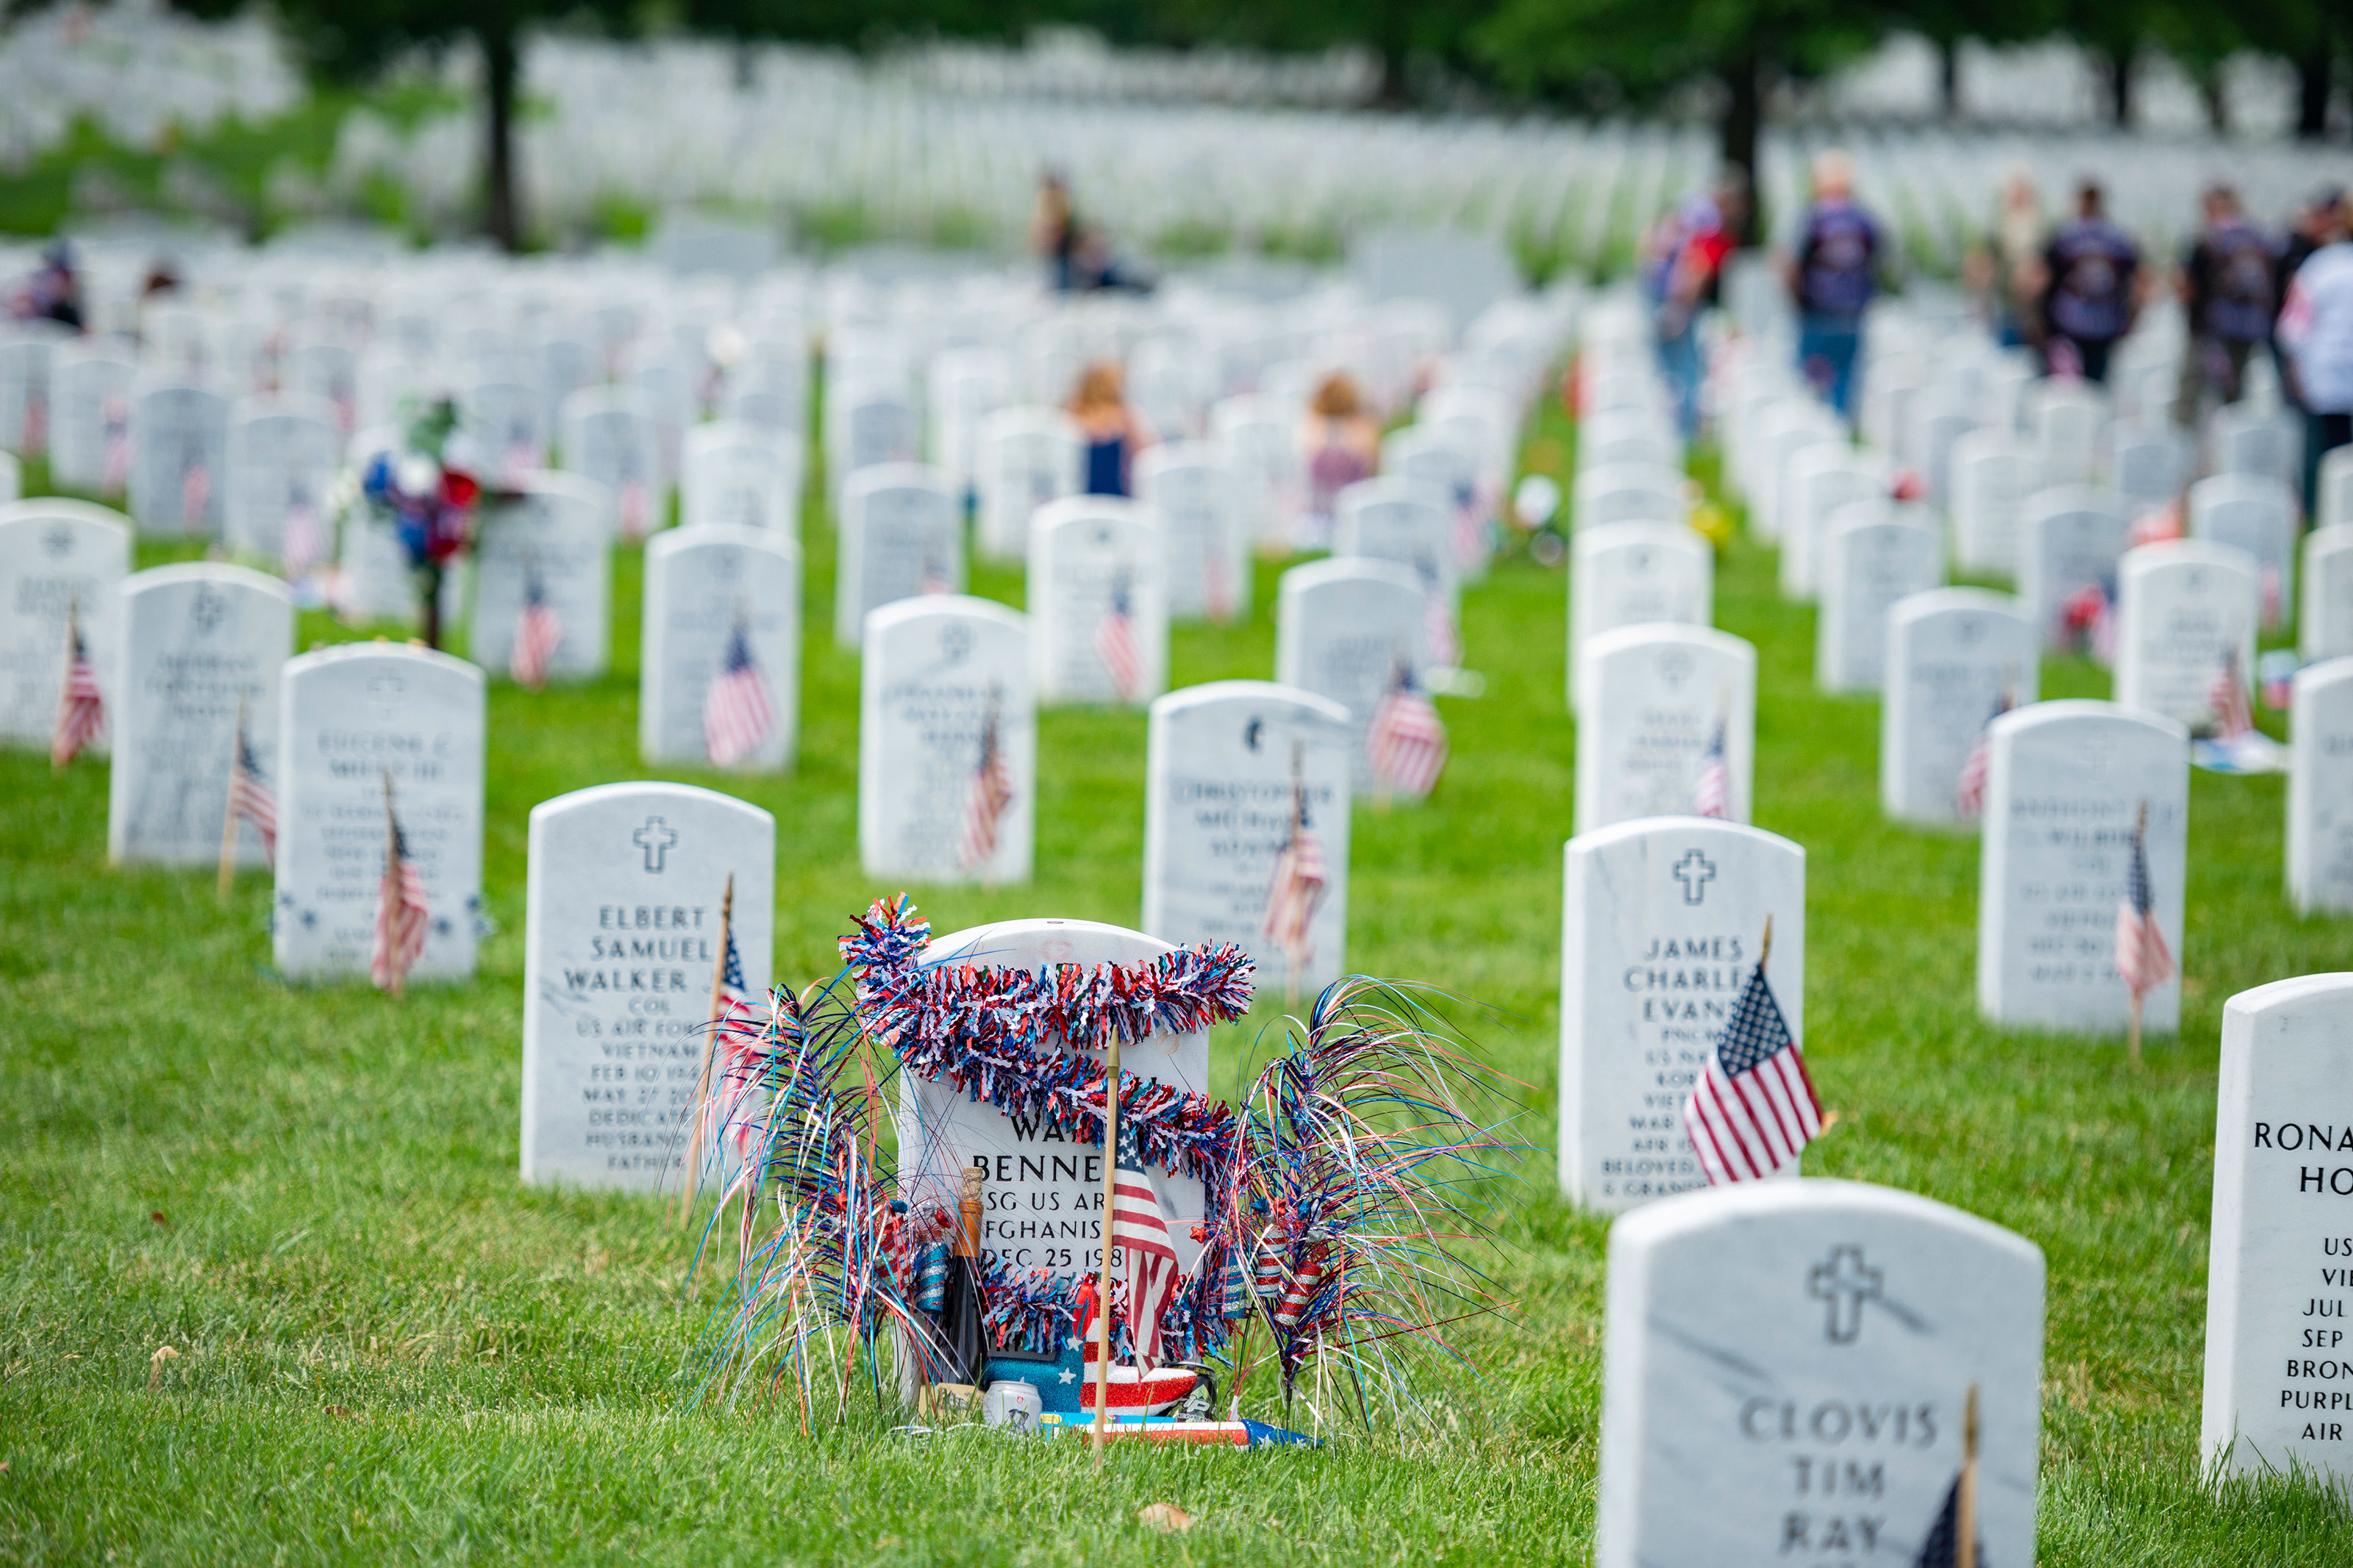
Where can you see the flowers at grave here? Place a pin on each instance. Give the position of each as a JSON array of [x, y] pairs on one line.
[[431, 499]]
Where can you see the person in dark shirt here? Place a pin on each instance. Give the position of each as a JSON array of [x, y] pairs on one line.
[[2231, 289], [53, 293], [2088, 302], [1833, 276]]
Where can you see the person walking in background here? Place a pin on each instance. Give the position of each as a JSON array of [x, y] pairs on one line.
[[51, 294], [1833, 276], [1054, 232], [2316, 336], [1685, 275], [1115, 434], [2088, 298], [2230, 288], [2014, 263], [1339, 443]]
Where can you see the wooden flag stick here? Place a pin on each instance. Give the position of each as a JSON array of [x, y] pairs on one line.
[[2131, 1035], [716, 1013], [1764, 948], [1102, 1286], [1965, 1512], [228, 807], [390, 887], [64, 681]]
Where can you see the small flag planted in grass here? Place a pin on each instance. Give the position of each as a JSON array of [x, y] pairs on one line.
[[1754, 1109]]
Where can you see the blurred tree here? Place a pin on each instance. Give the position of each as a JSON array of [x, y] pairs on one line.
[[1598, 54], [352, 40], [1945, 23]]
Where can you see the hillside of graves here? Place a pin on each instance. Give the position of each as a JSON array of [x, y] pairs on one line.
[[381, 1346]]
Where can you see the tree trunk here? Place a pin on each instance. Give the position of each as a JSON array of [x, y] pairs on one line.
[[501, 203], [2119, 70], [2217, 99], [1948, 75], [2314, 73], [433, 575], [1744, 114]]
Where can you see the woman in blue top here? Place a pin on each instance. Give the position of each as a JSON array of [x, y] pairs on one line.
[[1115, 434]]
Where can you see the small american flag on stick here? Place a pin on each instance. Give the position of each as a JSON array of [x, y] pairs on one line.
[[401, 914], [1115, 644], [2227, 700], [250, 798], [195, 493], [81, 707], [1298, 884], [738, 714], [2142, 957], [1406, 741], [1712, 791], [539, 632], [990, 793], [1754, 1109], [1968, 791], [1138, 1227]]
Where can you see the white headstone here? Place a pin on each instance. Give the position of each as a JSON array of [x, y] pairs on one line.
[[2070, 539], [703, 584], [1627, 492], [1206, 548], [1628, 573], [1098, 615], [609, 436], [2325, 629], [1229, 768], [1823, 481], [2277, 1345], [57, 556], [552, 541], [2147, 465], [901, 535], [2067, 419], [179, 459], [1023, 459], [282, 464], [1400, 521], [1264, 449], [1787, 1369], [2320, 789], [870, 428], [198, 640], [621, 941], [947, 742], [2334, 502], [1876, 555], [1052, 1186], [742, 475], [1341, 630], [499, 414], [1955, 658], [2185, 608], [351, 715], [2257, 513], [1661, 922], [89, 416], [2066, 784], [25, 353], [1667, 723], [1993, 472]]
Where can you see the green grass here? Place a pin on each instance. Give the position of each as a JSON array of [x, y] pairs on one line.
[[388, 1349]]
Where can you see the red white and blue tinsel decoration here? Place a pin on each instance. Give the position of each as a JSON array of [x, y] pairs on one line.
[[430, 498], [1333, 1211]]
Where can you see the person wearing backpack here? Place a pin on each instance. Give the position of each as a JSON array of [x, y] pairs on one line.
[[2229, 286], [2089, 299], [1833, 276]]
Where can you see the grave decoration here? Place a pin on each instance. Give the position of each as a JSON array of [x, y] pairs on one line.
[[1331, 1220], [432, 497]]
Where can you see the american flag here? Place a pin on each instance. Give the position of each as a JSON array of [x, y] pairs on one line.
[[738, 714], [2227, 700], [2142, 957], [1406, 741], [1217, 574], [1712, 791], [1138, 1227], [1116, 642], [81, 707], [633, 509], [1753, 1109], [1438, 633], [195, 490], [37, 424], [2091, 618], [990, 793], [401, 915], [249, 794], [1952, 1539], [115, 415], [539, 632], [1968, 794], [1298, 887], [305, 543]]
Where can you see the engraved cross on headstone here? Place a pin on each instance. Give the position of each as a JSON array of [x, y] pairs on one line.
[[1695, 871], [1846, 1285], [655, 838]]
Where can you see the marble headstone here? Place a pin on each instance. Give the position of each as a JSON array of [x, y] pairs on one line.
[[1824, 480], [2257, 513], [1341, 630], [945, 686], [609, 436], [89, 416], [1662, 923], [1205, 542], [901, 535], [1955, 656], [2070, 539], [2325, 629], [1662, 704], [1627, 492], [350, 717], [2320, 789], [57, 556], [621, 941], [1227, 767], [198, 640], [179, 459], [1786, 1368], [552, 537], [1630, 574], [2066, 783], [701, 585], [1874, 554], [2277, 1345], [741, 474], [1098, 616], [2184, 609], [1024, 457], [280, 467], [1993, 472], [1404, 522]]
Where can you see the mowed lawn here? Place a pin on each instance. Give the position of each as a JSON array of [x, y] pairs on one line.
[[389, 1349]]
